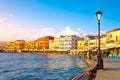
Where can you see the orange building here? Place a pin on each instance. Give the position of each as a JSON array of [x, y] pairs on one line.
[[2, 45], [43, 43]]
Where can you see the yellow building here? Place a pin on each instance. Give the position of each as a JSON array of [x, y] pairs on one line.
[[19, 44], [26, 45], [9, 45], [51, 44], [80, 44], [30, 45], [56, 43], [36, 45], [113, 40]]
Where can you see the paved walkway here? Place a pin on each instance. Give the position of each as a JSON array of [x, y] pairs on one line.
[[111, 70]]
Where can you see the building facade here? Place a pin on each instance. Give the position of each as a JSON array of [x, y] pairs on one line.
[[56, 43], [19, 44], [68, 42], [43, 43], [51, 44], [80, 44], [91, 42], [87, 42], [9, 45], [2, 45], [30, 45], [113, 40]]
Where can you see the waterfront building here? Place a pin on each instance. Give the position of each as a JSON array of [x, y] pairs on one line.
[[113, 40], [2, 45], [43, 43], [68, 42], [87, 42], [93, 42], [26, 45], [90, 42], [36, 45], [19, 44], [80, 44], [47, 38], [51, 44], [56, 43], [30, 45], [9, 45]]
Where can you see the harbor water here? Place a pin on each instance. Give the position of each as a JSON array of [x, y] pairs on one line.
[[20, 66]]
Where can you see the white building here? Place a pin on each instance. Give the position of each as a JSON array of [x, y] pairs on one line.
[[68, 42]]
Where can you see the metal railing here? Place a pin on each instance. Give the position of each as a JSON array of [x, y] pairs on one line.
[[86, 75], [80, 76]]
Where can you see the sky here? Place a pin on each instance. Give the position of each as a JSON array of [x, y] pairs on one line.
[[31, 19]]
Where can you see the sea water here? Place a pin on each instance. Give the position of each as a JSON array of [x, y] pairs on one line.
[[14, 66]]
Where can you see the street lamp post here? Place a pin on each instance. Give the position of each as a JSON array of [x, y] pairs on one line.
[[100, 60]]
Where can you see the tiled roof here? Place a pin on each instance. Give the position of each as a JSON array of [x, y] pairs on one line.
[[113, 30]]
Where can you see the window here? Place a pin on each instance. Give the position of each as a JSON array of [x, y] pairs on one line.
[[110, 36]]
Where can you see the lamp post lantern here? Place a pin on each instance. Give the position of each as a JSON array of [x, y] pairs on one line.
[[100, 60]]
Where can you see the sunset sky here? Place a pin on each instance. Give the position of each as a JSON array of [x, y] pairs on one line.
[[31, 19]]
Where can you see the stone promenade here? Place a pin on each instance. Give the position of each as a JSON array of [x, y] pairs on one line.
[[111, 70]]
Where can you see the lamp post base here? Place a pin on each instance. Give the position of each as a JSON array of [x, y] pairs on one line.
[[100, 66]]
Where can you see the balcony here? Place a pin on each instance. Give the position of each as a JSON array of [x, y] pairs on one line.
[[110, 41]]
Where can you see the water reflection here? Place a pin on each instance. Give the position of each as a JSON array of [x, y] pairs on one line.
[[41, 67]]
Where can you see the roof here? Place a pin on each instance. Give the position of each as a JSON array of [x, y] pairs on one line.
[[91, 37], [19, 40], [113, 30]]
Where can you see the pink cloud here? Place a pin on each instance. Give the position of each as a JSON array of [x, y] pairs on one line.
[[10, 32]]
